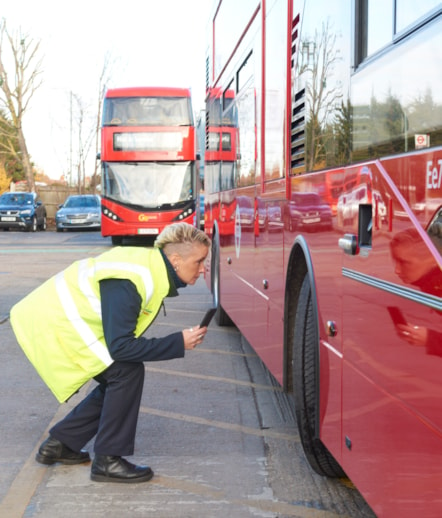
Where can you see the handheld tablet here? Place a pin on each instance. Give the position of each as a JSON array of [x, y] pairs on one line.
[[396, 315], [207, 317]]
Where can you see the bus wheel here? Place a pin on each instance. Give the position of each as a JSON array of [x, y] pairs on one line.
[[117, 240], [221, 317], [306, 385]]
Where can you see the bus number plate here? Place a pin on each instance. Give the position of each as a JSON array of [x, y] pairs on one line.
[[149, 231]]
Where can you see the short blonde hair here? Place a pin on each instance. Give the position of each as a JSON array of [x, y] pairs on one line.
[[177, 234]]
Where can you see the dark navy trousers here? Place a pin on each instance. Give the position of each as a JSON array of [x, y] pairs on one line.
[[109, 413]]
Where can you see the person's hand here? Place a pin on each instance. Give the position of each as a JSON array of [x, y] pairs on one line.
[[193, 336], [414, 335]]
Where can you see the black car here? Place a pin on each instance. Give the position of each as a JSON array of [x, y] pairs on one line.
[[22, 210]]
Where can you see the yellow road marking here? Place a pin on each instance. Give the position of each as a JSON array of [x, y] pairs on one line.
[[300, 511], [214, 378], [30, 476], [221, 424]]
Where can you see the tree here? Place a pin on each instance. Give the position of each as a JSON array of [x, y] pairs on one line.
[[319, 57], [344, 138], [4, 180], [85, 139], [88, 121], [105, 76], [16, 93], [9, 150]]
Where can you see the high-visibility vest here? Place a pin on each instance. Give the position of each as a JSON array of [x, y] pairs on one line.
[[59, 325]]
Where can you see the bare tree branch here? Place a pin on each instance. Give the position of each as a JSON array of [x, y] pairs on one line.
[[16, 94]]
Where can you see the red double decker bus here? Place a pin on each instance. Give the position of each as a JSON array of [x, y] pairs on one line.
[[148, 157], [220, 160], [333, 268]]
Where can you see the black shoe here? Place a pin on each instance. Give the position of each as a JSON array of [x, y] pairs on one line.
[[52, 451], [110, 468]]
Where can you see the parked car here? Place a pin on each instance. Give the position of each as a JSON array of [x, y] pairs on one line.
[[79, 211], [269, 215], [246, 210], [22, 210], [306, 210]]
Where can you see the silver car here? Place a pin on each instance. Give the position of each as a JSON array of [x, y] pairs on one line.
[[79, 211]]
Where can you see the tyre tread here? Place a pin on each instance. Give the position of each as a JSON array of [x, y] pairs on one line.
[[305, 382]]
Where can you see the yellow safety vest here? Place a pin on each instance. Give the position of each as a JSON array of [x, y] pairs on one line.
[[59, 325]]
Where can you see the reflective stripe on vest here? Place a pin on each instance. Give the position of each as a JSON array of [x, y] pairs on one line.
[[85, 273], [71, 311], [86, 288], [72, 314], [142, 271]]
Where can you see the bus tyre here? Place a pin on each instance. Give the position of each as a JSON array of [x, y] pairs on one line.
[[117, 240], [305, 385], [221, 317]]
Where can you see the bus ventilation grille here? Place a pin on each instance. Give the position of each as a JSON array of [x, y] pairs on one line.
[[297, 129], [297, 136], [207, 73]]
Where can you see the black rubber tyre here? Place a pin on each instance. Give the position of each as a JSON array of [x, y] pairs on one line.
[[44, 224], [305, 385], [117, 240], [33, 227], [221, 317]]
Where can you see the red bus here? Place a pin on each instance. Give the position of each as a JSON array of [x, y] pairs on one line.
[[337, 282], [220, 160], [148, 156]]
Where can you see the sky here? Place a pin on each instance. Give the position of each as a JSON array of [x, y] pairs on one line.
[[150, 43]]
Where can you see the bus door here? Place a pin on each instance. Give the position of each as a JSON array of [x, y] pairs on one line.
[[390, 385], [363, 265]]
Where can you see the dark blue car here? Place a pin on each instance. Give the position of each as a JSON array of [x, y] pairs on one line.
[[22, 210]]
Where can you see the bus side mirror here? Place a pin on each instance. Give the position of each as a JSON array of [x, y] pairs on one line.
[[98, 156]]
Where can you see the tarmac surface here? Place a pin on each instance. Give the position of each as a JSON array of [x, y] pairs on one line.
[[215, 427]]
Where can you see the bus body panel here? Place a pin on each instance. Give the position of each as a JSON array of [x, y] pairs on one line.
[[388, 381], [139, 222], [148, 91], [342, 150]]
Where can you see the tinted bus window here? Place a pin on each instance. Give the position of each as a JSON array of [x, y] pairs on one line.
[[147, 111]]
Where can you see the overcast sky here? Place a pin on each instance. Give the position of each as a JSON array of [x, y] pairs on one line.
[[152, 42]]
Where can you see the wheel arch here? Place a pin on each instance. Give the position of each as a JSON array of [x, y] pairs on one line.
[[300, 263], [221, 316]]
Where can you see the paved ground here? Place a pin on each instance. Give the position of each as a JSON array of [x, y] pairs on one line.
[[216, 429]]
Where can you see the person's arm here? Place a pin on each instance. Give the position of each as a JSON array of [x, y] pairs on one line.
[[120, 307]]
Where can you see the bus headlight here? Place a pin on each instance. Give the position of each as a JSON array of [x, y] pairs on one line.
[[111, 215]]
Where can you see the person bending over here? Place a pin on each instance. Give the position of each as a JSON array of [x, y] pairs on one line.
[[87, 322]]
